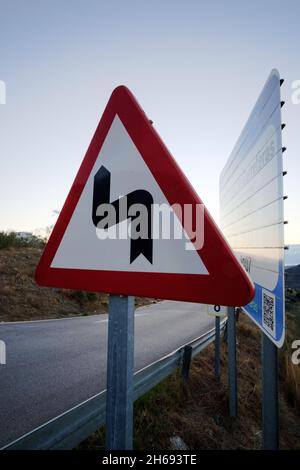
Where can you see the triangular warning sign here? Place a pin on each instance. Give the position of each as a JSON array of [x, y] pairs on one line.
[[127, 223]]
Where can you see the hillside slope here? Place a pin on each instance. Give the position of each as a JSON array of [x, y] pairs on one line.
[[292, 277], [21, 299]]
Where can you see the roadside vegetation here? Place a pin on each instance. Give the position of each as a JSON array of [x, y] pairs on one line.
[[197, 411], [289, 372], [22, 299], [13, 240]]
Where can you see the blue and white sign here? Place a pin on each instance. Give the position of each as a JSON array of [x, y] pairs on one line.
[[251, 209]]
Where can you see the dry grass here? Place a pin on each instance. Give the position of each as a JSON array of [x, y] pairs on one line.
[[21, 299], [292, 383], [289, 372]]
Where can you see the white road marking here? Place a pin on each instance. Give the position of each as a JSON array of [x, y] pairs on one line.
[[136, 315]]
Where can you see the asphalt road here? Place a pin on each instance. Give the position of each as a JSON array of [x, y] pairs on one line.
[[53, 365]]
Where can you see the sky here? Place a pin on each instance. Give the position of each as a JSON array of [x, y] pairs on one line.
[[196, 68]]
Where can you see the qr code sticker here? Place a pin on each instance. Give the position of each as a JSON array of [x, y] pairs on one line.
[[268, 310]]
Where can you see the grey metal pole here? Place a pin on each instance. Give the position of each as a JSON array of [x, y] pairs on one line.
[[186, 362], [270, 394], [120, 355], [232, 374], [217, 350]]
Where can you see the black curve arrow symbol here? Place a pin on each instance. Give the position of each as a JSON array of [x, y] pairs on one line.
[[101, 195]]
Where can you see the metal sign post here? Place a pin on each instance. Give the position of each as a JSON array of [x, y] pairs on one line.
[[270, 394], [232, 376], [120, 355], [217, 311], [217, 350], [85, 252]]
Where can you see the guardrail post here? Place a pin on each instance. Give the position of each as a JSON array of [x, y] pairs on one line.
[[120, 355], [217, 349], [232, 374], [270, 394], [186, 362], [225, 334]]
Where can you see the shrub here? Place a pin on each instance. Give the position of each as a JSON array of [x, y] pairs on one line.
[[11, 239], [83, 297]]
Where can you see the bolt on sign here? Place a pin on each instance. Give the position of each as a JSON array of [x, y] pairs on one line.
[[251, 208], [132, 224]]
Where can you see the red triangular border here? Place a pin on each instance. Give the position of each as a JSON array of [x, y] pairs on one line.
[[227, 282]]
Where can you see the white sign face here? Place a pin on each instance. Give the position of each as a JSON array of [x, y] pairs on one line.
[[133, 225], [217, 311], [251, 208], [125, 173]]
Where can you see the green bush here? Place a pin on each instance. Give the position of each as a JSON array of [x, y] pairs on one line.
[[92, 296], [83, 297], [7, 239], [11, 239]]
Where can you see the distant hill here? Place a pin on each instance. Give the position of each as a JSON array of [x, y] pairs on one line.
[[292, 255], [292, 277]]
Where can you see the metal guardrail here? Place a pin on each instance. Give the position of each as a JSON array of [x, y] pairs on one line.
[[73, 426]]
